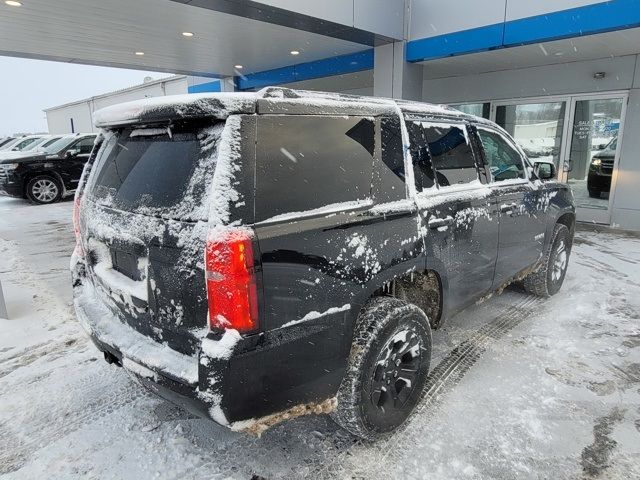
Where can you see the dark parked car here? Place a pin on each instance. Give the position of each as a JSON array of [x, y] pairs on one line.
[[5, 140], [601, 169], [254, 257], [47, 174]]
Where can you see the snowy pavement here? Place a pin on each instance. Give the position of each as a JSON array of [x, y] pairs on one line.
[[520, 387]]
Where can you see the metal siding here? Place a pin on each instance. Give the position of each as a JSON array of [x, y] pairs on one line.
[[430, 18], [305, 71]]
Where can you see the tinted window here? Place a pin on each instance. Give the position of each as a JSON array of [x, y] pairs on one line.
[[85, 145], [423, 173], [504, 161], [450, 153], [389, 174], [153, 174], [307, 162]]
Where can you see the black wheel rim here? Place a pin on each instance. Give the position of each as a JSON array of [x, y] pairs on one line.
[[396, 370]]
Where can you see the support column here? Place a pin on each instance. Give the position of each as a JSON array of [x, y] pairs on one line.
[[393, 77]]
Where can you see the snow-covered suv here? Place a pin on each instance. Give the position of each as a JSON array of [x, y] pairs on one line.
[[258, 256]]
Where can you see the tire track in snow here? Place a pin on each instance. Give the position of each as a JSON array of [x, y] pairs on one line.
[[443, 378], [88, 399]]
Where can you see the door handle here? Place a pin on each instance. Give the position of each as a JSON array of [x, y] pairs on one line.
[[508, 207], [440, 222]]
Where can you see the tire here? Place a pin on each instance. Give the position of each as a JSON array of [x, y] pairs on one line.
[[44, 189], [387, 369], [594, 193], [548, 279]]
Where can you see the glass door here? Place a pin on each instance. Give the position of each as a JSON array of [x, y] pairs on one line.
[[591, 156], [537, 125]]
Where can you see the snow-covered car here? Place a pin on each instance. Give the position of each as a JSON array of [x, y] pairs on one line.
[[259, 256]]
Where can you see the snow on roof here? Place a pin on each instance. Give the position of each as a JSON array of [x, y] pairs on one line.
[[267, 100], [171, 107]]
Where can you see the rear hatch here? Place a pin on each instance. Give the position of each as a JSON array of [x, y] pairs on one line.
[[144, 225]]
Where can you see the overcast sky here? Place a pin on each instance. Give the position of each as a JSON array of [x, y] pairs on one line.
[[29, 86]]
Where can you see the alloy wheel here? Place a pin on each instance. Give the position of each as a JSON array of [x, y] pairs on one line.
[[44, 190], [394, 376], [559, 262]]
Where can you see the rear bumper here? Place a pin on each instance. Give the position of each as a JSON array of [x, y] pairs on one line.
[[170, 374], [232, 378]]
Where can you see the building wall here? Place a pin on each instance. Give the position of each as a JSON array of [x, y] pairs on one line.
[[59, 119], [626, 202], [559, 79]]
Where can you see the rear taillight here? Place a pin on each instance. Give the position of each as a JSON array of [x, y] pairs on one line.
[[231, 280], [76, 225]]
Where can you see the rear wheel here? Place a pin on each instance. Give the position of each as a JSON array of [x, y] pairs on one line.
[[548, 279], [387, 370], [44, 189]]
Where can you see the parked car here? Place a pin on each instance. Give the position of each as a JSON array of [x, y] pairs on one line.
[[5, 140], [46, 174], [20, 143], [36, 145], [601, 169], [255, 257]]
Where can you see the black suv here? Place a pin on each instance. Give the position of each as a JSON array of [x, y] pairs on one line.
[[254, 257], [601, 169], [49, 173]]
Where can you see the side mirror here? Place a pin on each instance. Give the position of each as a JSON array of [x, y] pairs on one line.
[[71, 153], [544, 170]]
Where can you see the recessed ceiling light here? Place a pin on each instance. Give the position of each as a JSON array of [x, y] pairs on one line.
[[187, 34], [13, 3], [295, 52], [139, 53], [238, 67]]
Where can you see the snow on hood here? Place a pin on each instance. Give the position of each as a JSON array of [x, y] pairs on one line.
[[12, 157], [170, 107]]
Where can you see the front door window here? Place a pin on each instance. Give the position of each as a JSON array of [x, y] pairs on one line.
[[536, 127]]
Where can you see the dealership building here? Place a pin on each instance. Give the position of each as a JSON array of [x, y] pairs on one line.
[[562, 76]]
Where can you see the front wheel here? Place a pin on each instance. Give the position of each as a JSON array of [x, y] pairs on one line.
[[548, 279], [44, 189], [387, 370]]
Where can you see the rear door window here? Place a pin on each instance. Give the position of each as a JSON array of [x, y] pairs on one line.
[[305, 163], [450, 152]]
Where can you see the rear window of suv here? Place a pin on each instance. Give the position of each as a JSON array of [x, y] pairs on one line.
[[154, 171], [309, 162]]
